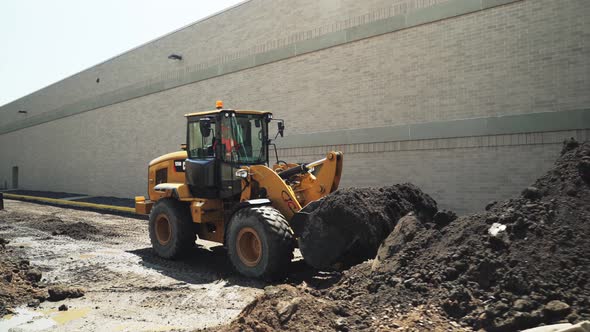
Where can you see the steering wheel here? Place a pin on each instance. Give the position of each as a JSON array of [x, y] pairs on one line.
[[260, 135]]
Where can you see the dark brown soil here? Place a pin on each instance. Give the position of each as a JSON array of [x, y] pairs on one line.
[[58, 293], [346, 227], [78, 231], [55, 226], [288, 308], [19, 282], [512, 280], [277, 307], [533, 270]]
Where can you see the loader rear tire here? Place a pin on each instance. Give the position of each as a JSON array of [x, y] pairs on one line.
[[260, 242], [171, 229]]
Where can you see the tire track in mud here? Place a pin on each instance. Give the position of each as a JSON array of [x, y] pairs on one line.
[[127, 286]]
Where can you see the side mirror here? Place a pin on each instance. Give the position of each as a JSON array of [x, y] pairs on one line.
[[205, 126], [281, 126], [183, 146]]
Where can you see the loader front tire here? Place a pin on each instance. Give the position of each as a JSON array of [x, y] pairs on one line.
[[260, 242], [171, 229]]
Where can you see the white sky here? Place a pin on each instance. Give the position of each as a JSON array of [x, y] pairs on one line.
[[42, 42]]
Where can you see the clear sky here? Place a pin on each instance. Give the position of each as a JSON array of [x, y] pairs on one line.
[[42, 42]]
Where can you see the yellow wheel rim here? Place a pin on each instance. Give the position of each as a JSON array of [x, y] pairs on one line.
[[249, 246], [163, 229]]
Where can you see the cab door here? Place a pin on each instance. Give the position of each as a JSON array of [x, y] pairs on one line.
[[202, 174]]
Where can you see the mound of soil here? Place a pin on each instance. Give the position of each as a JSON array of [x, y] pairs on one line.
[[279, 305], [79, 230], [19, 282], [288, 308], [347, 226], [55, 226], [521, 263]]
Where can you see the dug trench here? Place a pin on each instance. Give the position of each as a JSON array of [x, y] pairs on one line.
[[520, 263]]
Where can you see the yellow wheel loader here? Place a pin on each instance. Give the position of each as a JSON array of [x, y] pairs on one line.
[[222, 188]]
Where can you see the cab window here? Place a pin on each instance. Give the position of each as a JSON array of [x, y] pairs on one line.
[[243, 139], [200, 145]]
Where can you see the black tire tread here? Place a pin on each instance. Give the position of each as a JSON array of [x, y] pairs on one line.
[[183, 235], [280, 240]]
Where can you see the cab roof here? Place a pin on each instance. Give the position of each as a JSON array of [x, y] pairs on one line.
[[222, 110]]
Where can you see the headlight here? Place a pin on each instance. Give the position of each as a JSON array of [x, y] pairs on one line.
[[242, 173]]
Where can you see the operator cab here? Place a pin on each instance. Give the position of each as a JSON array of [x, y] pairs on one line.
[[219, 142]]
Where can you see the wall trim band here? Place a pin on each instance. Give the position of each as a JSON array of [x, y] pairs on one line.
[[446, 10], [495, 125]]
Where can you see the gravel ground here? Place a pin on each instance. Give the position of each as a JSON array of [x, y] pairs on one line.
[[127, 288]]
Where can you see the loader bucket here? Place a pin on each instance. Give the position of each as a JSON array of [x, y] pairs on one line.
[[301, 218], [321, 244]]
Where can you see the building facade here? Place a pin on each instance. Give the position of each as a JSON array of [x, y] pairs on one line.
[[468, 99]]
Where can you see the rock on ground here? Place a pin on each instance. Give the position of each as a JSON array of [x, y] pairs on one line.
[[58, 293]]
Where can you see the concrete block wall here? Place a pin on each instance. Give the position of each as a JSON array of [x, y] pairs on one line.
[[418, 78], [251, 27], [463, 174]]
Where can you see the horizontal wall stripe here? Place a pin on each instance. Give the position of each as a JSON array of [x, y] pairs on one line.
[[442, 11], [474, 142], [414, 18], [500, 125]]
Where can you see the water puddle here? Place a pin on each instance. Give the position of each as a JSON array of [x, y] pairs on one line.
[[28, 320]]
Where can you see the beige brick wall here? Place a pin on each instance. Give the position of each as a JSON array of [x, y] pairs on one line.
[[252, 27], [462, 174]]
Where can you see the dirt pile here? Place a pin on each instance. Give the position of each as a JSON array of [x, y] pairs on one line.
[[55, 226], [279, 305], [79, 230], [348, 226], [521, 263], [19, 282], [288, 308], [524, 262]]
